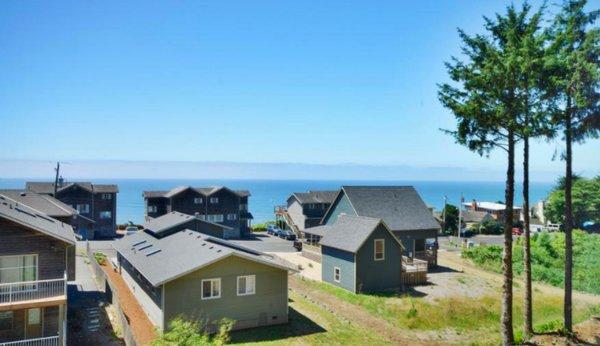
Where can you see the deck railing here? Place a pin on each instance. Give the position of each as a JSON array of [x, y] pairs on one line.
[[17, 292], [47, 341]]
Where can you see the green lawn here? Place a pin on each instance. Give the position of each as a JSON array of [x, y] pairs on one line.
[[309, 325], [477, 316]]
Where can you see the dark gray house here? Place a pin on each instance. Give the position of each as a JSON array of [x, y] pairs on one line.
[[36, 258], [199, 277], [306, 209], [360, 254], [174, 222], [217, 204], [402, 210], [97, 202]]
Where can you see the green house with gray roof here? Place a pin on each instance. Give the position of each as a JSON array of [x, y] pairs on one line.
[[185, 272], [360, 254], [401, 209]]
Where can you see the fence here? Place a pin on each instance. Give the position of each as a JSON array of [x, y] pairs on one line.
[[414, 271], [23, 291], [112, 296], [48, 341]]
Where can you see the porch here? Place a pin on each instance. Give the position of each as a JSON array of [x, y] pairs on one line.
[[47, 341], [414, 271], [38, 293]]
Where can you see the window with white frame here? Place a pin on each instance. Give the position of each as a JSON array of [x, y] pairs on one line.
[[337, 274], [246, 285], [106, 196], [211, 288], [311, 206], [152, 209], [107, 214], [18, 268], [6, 321], [231, 217], [214, 200], [198, 200], [215, 218], [83, 208], [379, 249]]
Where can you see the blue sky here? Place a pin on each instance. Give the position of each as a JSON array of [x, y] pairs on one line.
[[320, 82]]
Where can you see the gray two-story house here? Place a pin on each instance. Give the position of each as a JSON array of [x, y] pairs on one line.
[[36, 258], [216, 204], [97, 202], [306, 209]]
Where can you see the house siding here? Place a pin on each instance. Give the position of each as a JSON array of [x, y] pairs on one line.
[[379, 275], [344, 260], [103, 228], [340, 206], [149, 297], [296, 213], [52, 253], [50, 324], [269, 305], [161, 206]]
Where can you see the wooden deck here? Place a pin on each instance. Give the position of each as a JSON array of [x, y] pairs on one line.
[[414, 271], [34, 303]]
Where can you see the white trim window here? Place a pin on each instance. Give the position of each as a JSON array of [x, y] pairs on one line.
[[214, 200], [231, 217], [83, 208], [107, 214], [337, 274], [198, 200], [379, 249], [211, 288], [106, 196], [246, 285], [152, 209], [34, 316], [19, 268]]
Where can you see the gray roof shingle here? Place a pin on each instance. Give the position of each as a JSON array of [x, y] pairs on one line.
[[40, 202], [168, 221], [36, 220], [48, 187], [161, 260], [400, 207], [206, 191], [349, 232], [315, 196]]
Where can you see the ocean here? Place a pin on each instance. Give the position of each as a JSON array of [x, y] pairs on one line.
[[266, 194]]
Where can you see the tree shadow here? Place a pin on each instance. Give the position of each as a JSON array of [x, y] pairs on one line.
[[298, 325]]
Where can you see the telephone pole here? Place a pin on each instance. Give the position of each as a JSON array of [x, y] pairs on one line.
[[57, 169]]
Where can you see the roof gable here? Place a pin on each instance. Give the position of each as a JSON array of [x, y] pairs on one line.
[[349, 233], [400, 207]]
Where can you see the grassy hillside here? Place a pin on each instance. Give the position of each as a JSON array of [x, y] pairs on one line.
[[547, 259]]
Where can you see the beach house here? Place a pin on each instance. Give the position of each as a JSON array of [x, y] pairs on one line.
[[216, 204], [96, 202], [35, 263], [306, 209]]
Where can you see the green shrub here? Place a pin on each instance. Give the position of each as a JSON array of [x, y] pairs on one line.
[[191, 333], [548, 258], [100, 258]]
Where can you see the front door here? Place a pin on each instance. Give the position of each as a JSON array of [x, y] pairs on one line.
[[33, 323]]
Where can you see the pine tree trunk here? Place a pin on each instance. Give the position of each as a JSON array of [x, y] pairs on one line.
[[528, 301], [507, 270], [568, 224]]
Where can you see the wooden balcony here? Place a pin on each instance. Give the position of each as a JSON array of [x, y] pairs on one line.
[[428, 255], [47, 341], [27, 294]]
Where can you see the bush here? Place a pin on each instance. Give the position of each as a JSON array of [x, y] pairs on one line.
[[192, 333], [548, 258], [262, 227], [100, 258], [490, 227]]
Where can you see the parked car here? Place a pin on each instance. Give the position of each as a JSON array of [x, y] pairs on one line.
[[287, 234], [271, 229], [465, 233], [277, 231], [298, 245], [131, 230], [517, 231]]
